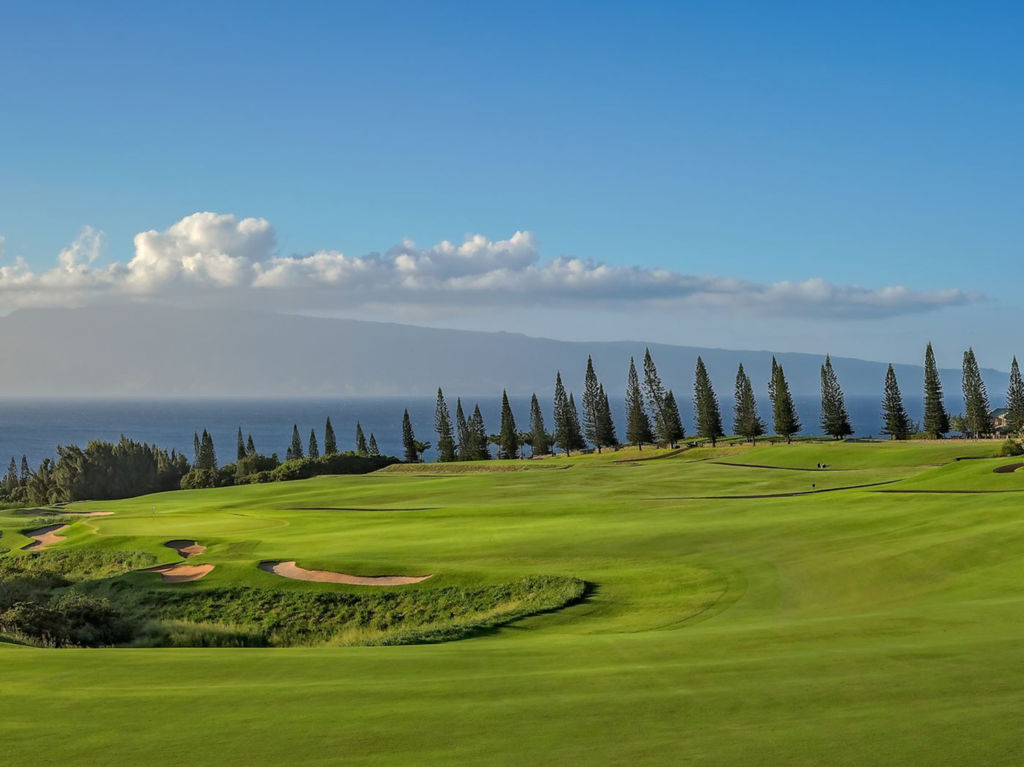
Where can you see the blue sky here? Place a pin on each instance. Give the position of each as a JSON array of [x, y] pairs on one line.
[[867, 145]]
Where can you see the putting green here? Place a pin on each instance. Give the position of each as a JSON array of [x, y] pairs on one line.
[[852, 627]]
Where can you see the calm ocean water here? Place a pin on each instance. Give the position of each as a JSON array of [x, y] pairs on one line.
[[34, 428]]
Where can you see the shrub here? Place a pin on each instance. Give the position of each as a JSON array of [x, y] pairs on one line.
[[200, 478], [1011, 447], [73, 619]]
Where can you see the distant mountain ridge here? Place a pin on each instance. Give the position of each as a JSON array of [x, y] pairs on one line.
[[157, 351]]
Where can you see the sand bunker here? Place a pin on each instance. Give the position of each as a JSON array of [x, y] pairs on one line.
[[181, 573], [44, 536], [293, 571], [1007, 468], [187, 548]]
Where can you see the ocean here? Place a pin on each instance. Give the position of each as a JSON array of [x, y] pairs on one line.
[[35, 427]]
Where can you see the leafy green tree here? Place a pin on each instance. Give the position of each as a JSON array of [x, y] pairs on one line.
[[508, 434], [443, 427], [654, 395], [638, 425], [786, 420], [464, 448], [372, 448], [361, 447], [409, 444], [746, 422], [675, 433], [835, 421], [294, 451], [330, 440], [606, 435], [314, 448], [705, 406], [240, 450], [540, 441], [591, 405], [896, 422], [976, 406], [936, 419], [1015, 401]]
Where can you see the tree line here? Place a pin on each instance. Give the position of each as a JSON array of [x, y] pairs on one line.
[[105, 471], [652, 415]]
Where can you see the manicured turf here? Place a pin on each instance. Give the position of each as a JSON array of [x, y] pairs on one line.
[[854, 627]]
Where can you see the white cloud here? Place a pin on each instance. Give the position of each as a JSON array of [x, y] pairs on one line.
[[220, 254]]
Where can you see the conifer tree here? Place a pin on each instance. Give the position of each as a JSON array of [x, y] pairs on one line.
[[895, 420], [576, 440], [26, 472], [936, 419], [638, 425], [372, 448], [412, 453], [1015, 401], [240, 451], [787, 422], [705, 406], [314, 448], [835, 421], [675, 432], [207, 455], [591, 404], [360, 439], [295, 449], [976, 406], [606, 436], [250, 446], [443, 427], [746, 422], [197, 449], [478, 435], [11, 480], [563, 420], [508, 435], [464, 452], [540, 443], [330, 441], [654, 395]]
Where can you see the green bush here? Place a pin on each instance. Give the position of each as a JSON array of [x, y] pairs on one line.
[[73, 619], [338, 463], [1011, 447]]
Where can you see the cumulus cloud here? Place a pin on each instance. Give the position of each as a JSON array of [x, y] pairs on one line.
[[210, 253]]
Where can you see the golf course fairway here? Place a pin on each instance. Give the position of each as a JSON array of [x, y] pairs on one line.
[[742, 608]]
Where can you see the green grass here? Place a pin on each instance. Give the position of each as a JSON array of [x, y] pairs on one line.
[[846, 628]]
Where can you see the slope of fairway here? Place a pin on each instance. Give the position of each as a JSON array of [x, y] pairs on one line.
[[846, 628]]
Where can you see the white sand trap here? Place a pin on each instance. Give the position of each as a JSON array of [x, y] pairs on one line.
[[296, 573], [187, 548], [44, 536], [181, 573]]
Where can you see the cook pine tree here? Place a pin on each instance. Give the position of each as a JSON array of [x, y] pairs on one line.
[[240, 448], [784, 415], [1015, 401], [654, 396], [835, 421], [361, 448], [330, 441], [462, 435], [638, 425], [896, 422], [976, 404], [508, 435], [409, 444], [478, 435], [443, 427], [705, 406], [936, 419], [674, 431], [606, 434], [314, 449], [746, 422], [294, 451], [592, 405], [540, 441]]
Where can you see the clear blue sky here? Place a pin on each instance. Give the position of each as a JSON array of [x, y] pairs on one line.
[[867, 143]]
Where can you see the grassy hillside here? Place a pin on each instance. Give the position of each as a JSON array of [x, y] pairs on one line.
[[834, 622]]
